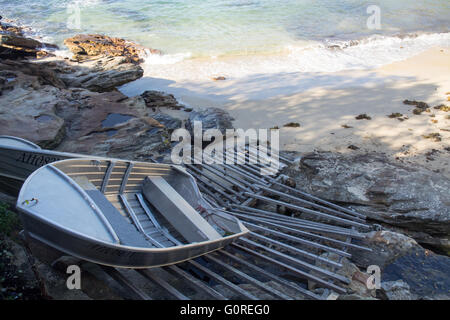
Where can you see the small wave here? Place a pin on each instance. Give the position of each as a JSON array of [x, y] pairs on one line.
[[366, 53], [379, 39], [82, 3], [63, 53], [305, 56], [30, 30], [242, 3], [164, 59]]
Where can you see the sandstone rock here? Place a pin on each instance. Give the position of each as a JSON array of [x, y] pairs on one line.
[[413, 198], [211, 118], [89, 111], [386, 245], [169, 122], [401, 258], [396, 290], [96, 44], [408, 271], [13, 40], [28, 113], [102, 74], [8, 52], [109, 63], [13, 53], [42, 71], [41, 54], [18, 39], [55, 284], [106, 124], [136, 103], [36, 106], [139, 139], [6, 80], [157, 99], [357, 279], [8, 28], [13, 45]]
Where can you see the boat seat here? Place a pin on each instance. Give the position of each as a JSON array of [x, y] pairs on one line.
[[184, 218], [126, 232]]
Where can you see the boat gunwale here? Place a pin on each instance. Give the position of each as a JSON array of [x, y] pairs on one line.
[[66, 156], [121, 246], [25, 141], [56, 246]]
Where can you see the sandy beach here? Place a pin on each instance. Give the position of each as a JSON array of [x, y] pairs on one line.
[[326, 104]]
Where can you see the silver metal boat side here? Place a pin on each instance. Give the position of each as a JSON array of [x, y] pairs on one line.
[[95, 209]]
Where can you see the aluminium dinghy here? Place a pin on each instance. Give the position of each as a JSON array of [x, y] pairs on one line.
[[122, 213]]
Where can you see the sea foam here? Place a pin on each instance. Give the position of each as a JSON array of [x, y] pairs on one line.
[[311, 56]]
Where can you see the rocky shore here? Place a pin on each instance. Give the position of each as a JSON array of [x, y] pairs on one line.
[[73, 105], [409, 210]]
